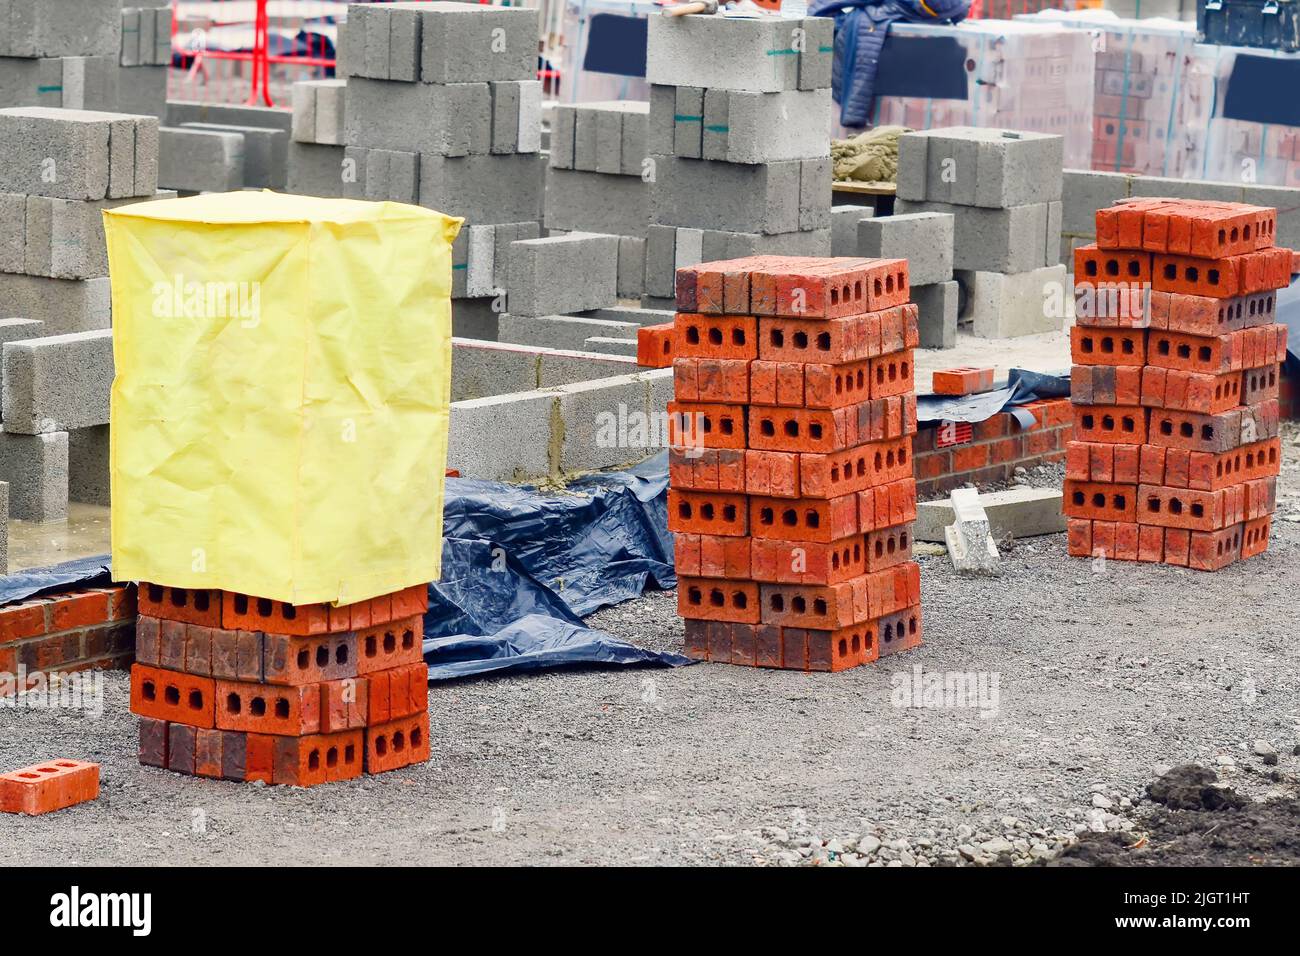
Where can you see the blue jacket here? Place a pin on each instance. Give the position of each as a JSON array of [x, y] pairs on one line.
[[860, 32]]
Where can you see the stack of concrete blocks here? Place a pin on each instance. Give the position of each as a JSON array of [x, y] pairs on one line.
[[443, 108], [925, 240], [145, 55], [596, 179], [315, 159], [1016, 74], [60, 53], [738, 142], [1003, 191], [58, 170]]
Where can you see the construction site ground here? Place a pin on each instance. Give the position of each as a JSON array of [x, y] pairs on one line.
[[1107, 674]]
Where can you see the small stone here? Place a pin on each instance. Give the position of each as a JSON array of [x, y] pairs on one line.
[[1262, 748], [868, 845], [1223, 760], [968, 851], [996, 846], [1269, 760], [1101, 802]]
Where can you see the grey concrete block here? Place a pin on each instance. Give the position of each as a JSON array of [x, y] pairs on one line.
[[502, 437], [60, 153], [560, 331], [315, 170], [13, 233], [61, 28], [634, 314], [656, 302], [266, 153], [480, 273], [1014, 239], [817, 54], [636, 122], [65, 237], [142, 91], [913, 161], [610, 346], [16, 330], [688, 122], [453, 119], [31, 82], [1083, 192], [480, 369], [577, 200], [318, 111], [747, 127], [1005, 306], [661, 126], [464, 43], [476, 318], [36, 469], [69, 82], [1186, 189], [585, 134], [660, 261], [631, 267], [761, 55], [984, 167], [609, 422], [814, 194], [530, 117], [503, 235], [200, 160], [484, 189], [729, 196], [64, 305], [936, 314], [1014, 513], [505, 115], [563, 130], [924, 239], [57, 383], [130, 47], [844, 228], [88, 477], [180, 112], [563, 274], [690, 248], [609, 141]]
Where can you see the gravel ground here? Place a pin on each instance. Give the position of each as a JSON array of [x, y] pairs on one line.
[[1105, 676]]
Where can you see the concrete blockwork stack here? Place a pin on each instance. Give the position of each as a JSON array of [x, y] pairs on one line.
[[792, 493], [739, 142], [443, 109], [1175, 384], [1003, 190], [595, 183], [60, 53], [925, 240], [315, 156], [246, 689], [145, 55], [59, 169]]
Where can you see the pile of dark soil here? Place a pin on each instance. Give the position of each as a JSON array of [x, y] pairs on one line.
[[1193, 822]]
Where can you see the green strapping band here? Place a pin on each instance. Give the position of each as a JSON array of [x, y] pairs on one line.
[[685, 118], [717, 129], [50, 89], [463, 265], [789, 52]]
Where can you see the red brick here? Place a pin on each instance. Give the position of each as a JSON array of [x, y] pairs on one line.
[[45, 787], [970, 457], [887, 505], [1218, 354], [772, 473], [824, 431], [900, 631], [172, 696], [18, 621], [1261, 384], [1103, 385], [715, 336], [866, 466], [717, 599], [259, 758], [962, 380], [886, 547], [702, 512], [181, 742], [153, 742], [707, 469], [1254, 538], [806, 562], [1204, 315], [1151, 543], [828, 288], [1095, 265], [803, 519], [1090, 346], [836, 341], [397, 744], [207, 753], [237, 655], [191, 606], [1196, 432], [712, 556], [699, 425], [1100, 501], [711, 380], [268, 709], [1190, 509], [343, 704], [1079, 537], [393, 644], [290, 659], [79, 610], [1223, 278], [1214, 550], [892, 374], [321, 758], [1117, 424]]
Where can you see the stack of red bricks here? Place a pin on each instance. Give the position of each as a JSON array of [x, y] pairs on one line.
[[791, 488], [1176, 448], [244, 688]]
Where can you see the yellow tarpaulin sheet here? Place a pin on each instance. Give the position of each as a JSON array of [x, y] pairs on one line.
[[280, 405]]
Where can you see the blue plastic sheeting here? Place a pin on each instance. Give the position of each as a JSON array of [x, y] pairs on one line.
[[81, 573], [519, 570], [1022, 386]]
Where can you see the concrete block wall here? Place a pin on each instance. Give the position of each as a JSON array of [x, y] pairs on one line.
[[738, 142], [1002, 190]]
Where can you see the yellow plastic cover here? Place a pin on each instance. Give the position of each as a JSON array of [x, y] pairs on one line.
[[281, 397]]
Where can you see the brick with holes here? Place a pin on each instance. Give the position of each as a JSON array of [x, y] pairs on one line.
[[962, 380], [701, 512], [899, 632], [1214, 550], [1190, 509], [887, 505], [289, 659], [723, 381], [1117, 424], [1100, 501], [820, 385], [1193, 431], [318, 758], [772, 473], [804, 519], [397, 744], [1190, 391], [172, 696], [392, 644], [886, 547], [699, 425], [291, 711], [715, 336], [1254, 536], [1090, 346], [828, 288], [654, 345], [774, 560], [1219, 354], [718, 599], [868, 465], [837, 341], [1204, 315], [1223, 278], [712, 556], [180, 604], [825, 431], [1261, 384], [45, 787]]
